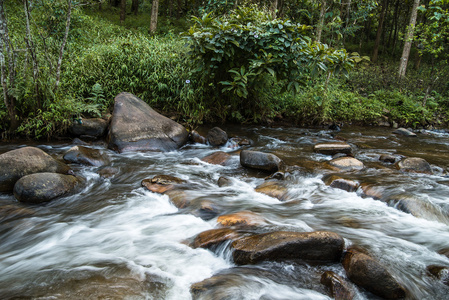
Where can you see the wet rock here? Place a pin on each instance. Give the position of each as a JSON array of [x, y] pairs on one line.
[[135, 126], [195, 137], [277, 176], [371, 275], [439, 272], [78, 142], [24, 161], [86, 156], [372, 191], [275, 189], [315, 246], [224, 181], [205, 209], [340, 289], [260, 161], [217, 137], [178, 198], [387, 158], [214, 237], [346, 164], [108, 172], [420, 208], [332, 148], [404, 132], [414, 165], [241, 141], [91, 127], [10, 211], [241, 218], [217, 158], [43, 187], [161, 183], [341, 183]]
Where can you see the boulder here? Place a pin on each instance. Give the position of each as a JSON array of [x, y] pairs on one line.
[[332, 148], [369, 274], [178, 198], [439, 272], [387, 158], [346, 164], [217, 137], [372, 191], [217, 158], [241, 218], [135, 126], [43, 187], [92, 127], [273, 188], [24, 161], [314, 246], [195, 137], [161, 183], [260, 161], [86, 156], [404, 132], [414, 165], [340, 183], [204, 209], [224, 181], [339, 288], [418, 207], [214, 237]]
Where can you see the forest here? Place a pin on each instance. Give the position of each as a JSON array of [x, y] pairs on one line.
[[289, 62]]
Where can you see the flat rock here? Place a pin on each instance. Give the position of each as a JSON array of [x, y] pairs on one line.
[[404, 132], [135, 126], [161, 183], [241, 218], [24, 161], [217, 158], [273, 188], [86, 156], [214, 237], [346, 164], [369, 274], [414, 165], [280, 245], [332, 148], [43, 187], [217, 137], [95, 127], [340, 289], [260, 161]]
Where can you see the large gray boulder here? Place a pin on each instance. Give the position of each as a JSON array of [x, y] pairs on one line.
[[135, 126], [314, 246], [24, 161], [43, 187], [260, 161]]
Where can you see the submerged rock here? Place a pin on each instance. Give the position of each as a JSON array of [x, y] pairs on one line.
[[332, 148], [420, 208], [387, 158], [340, 289], [369, 274], [135, 126], [414, 165], [260, 161], [439, 272], [315, 246], [217, 137], [217, 158], [86, 156], [43, 187], [241, 218], [178, 198], [224, 181], [24, 161], [92, 127], [340, 183], [214, 237], [108, 172], [275, 189], [161, 183], [404, 132]]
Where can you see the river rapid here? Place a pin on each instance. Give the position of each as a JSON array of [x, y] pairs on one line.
[[117, 240]]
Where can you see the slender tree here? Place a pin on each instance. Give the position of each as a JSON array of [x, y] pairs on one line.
[[408, 40], [135, 7], [319, 29], [379, 31], [122, 11], [64, 41], [154, 13]]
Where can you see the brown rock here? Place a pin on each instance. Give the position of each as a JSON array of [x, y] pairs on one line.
[[108, 172], [332, 148], [340, 289], [316, 246], [214, 237], [387, 158], [195, 137], [414, 165], [340, 183], [135, 126], [161, 183], [440, 272], [217, 158], [241, 218], [371, 275], [178, 198], [24, 161], [275, 189], [372, 191], [346, 164], [224, 181], [217, 137]]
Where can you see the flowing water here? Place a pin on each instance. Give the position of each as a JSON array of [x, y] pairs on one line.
[[116, 240]]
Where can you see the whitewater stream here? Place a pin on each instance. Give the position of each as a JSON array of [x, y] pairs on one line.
[[117, 240]]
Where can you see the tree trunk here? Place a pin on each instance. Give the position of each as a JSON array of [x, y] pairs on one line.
[[274, 8], [154, 12], [135, 7], [64, 41], [319, 29], [379, 32], [179, 9], [122, 11], [408, 40]]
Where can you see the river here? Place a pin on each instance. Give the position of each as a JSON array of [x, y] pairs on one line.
[[117, 240]]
